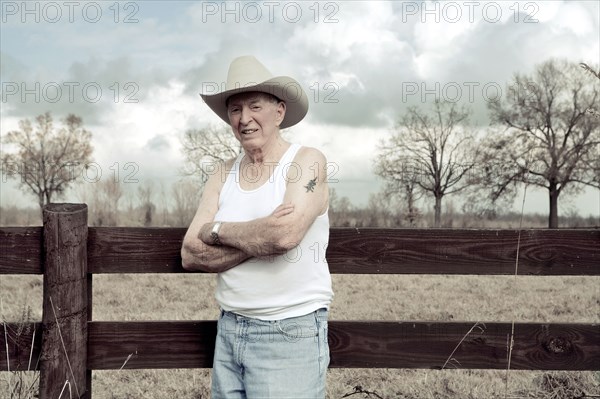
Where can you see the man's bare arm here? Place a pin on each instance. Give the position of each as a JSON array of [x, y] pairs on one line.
[[199, 255], [305, 199], [210, 258]]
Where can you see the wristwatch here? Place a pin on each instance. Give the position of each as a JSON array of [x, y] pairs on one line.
[[214, 234]]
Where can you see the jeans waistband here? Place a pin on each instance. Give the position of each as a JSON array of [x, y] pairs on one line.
[[321, 313]]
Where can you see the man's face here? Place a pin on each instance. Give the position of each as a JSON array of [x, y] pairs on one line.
[[255, 117]]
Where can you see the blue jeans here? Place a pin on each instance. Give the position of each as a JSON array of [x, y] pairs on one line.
[[258, 359]]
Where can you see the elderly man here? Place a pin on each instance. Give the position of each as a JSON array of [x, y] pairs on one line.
[[262, 225]]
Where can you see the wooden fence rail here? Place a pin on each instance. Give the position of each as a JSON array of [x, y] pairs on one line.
[[68, 253]]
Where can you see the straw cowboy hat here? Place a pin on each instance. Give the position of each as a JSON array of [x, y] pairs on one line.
[[248, 74]]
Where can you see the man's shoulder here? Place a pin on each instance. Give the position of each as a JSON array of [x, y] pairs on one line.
[[224, 166], [309, 155]]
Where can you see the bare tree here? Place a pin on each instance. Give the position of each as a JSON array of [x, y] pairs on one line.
[[145, 195], [106, 202], [164, 205], [113, 191], [47, 159], [202, 148], [185, 195], [103, 199], [403, 195], [550, 139], [340, 209], [412, 195], [595, 74], [431, 153], [385, 210]]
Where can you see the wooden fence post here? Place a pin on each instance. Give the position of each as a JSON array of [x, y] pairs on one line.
[[63, 360]]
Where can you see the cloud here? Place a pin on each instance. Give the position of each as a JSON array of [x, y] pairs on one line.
[[359, 62], [86, 88], [158, 143], [354, 66]]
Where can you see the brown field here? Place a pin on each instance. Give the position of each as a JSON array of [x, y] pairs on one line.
[[376, 297]]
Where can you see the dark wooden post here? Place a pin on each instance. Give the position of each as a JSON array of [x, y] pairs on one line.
[[63, 361]]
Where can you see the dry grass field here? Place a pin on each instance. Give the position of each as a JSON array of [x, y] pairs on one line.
[[396, 297]]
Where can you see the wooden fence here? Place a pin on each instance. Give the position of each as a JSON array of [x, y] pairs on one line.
[[68, 254]]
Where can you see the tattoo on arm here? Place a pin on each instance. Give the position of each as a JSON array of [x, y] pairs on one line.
[[311, 185]]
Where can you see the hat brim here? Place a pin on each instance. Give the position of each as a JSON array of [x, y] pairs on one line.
[[283, 87]]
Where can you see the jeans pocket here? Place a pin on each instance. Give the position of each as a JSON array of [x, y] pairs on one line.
[[297, 328]]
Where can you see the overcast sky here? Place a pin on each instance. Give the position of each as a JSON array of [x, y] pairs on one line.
[[133, 70]]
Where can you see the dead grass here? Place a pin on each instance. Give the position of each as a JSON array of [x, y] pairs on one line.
[[405, 297], [19, 382]]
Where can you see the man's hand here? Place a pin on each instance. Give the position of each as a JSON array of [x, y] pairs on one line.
[[282, 210], [205, 233]]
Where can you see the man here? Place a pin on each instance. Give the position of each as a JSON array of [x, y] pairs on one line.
[[262, 225]]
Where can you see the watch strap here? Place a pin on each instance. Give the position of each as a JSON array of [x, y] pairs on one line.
[[214, 234]]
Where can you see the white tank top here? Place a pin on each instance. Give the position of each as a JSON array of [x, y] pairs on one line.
[[289, 285]]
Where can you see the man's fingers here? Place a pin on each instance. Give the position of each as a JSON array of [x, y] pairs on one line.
[[283, 209]]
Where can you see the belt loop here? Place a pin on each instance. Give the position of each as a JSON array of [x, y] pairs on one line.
[[321, 313]]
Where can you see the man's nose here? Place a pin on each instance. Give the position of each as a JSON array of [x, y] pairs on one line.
[[245, 116]]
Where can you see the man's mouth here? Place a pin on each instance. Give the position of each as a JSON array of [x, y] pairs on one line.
[[248, 131]]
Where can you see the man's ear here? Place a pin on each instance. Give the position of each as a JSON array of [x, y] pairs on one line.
[[280, 112]]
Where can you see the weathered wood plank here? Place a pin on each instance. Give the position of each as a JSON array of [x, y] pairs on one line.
[[391, 251], [189, 344], [159, 344], [431, 345], [21, 250], [135, 250], [351, 251], [447, 251]]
